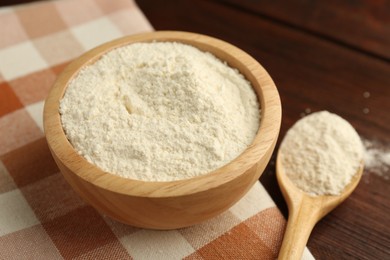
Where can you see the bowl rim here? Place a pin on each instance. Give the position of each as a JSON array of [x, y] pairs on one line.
[[264, 140]]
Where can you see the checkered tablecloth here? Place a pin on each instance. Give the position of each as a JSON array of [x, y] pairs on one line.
[[41, 217]]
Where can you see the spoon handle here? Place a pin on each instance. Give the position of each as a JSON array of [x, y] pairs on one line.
[[300, 223]]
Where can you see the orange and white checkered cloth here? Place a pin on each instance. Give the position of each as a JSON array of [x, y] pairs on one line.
[[41, 217]]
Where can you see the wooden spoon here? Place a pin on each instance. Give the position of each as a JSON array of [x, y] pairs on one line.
[[305, 211]]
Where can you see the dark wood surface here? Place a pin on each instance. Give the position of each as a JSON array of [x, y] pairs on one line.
[[322, 55]]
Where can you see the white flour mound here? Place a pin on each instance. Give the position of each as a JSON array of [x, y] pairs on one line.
[[159, 111], [321, 153]]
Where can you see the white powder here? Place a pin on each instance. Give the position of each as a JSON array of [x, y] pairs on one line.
[[377, 158], [321, 153], [159, 111]]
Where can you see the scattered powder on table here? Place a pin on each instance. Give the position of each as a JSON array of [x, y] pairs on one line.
[[321, 153], [377, 158], [306, 112], [159, 111]]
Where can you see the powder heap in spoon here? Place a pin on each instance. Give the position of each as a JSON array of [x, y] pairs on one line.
[[321, 153]]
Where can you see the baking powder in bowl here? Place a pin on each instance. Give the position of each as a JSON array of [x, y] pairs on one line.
[[321, 153], [159, 111]]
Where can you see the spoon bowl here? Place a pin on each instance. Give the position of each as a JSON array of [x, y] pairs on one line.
[[305, 210]]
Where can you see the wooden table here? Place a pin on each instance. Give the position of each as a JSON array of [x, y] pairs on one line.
[[322, 55]]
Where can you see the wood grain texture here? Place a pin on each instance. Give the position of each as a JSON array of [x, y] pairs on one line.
[[317, 67], [316, 74], [360, 25], [168, 205]]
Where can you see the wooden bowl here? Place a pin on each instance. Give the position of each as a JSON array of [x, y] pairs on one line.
[[175, 204]]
